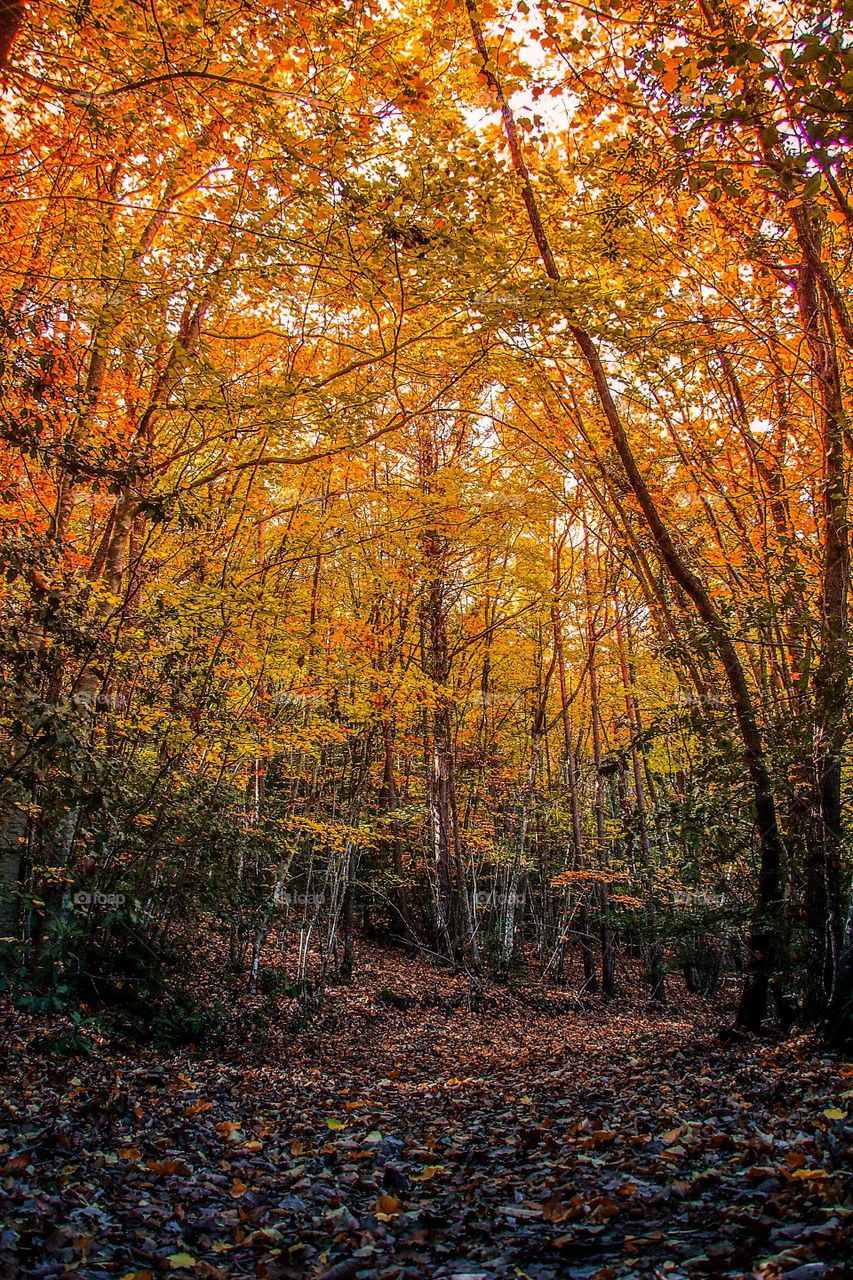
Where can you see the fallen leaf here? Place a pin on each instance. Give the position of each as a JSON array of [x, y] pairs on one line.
[[178, 1261], [388, 1207]]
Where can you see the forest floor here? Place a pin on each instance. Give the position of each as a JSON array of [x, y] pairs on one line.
[[524, 1139]]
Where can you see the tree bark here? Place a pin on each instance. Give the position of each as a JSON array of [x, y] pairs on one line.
[[11, 17], [608, 968], [657, 982], [590, 982]]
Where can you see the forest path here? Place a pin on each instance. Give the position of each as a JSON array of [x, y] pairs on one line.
[[420, 1143]]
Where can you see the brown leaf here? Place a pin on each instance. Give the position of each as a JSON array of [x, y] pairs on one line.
[[168, 1167], [553, 1209], [197, 1107], [389, 1206]]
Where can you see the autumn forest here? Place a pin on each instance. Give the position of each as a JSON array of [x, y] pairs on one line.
[[425, 636]]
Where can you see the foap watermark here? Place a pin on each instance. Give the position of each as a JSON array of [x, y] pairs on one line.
[[489, 898], [87, 898], [288, 899], [691, 898]]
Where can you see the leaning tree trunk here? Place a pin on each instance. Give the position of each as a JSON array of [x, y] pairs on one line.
[[766, 927]]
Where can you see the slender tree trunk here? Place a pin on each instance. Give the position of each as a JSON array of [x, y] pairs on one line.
[[439, 763], [608, 969], [657, 983], [590, 982], [841, 1004], [824, 898], [13, 829], [391, 802], [348, 917]]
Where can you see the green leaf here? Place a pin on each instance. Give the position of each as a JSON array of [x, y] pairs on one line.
[[177, 1261]]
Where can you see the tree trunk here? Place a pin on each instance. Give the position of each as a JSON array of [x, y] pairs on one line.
[[590, 978], [657, 983], [11, 18], [765, 932], [824, 890], [608, 968]]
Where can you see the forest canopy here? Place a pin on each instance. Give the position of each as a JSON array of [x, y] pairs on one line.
[[425, 490]]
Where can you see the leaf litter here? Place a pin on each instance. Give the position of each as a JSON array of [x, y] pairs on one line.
[[392, 1140]]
